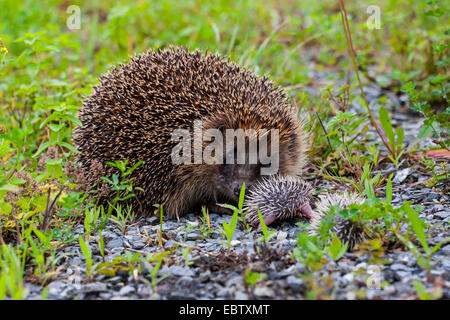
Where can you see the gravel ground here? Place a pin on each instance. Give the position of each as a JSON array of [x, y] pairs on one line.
[[214, 272]]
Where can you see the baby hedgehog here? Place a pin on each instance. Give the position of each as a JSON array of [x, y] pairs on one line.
[[278, 197], [137, 107], [346, 230]]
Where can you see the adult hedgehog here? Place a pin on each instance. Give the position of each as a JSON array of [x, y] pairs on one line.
[[135, 110]]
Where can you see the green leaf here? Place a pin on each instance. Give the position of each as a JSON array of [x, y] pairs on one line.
[[228, 206], [69, 146], [86, 249], [421, 290], [53, 162], [337, 250], [387, 126], [439, 245], [389, 189], [417, 225], [233, 221], [241, 197], [101, 243], [55, 127], [43, 146], [414, 250], [263, 224], [44, 239], [9, 187], [400, 135], [425, 131]]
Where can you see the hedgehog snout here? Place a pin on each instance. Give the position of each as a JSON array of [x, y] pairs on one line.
[[306, 210], [237, 188]]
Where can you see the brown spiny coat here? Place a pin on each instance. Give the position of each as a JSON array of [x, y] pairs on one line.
[[133, 112]]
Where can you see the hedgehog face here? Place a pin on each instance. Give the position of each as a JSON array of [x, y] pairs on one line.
[[232, 176]]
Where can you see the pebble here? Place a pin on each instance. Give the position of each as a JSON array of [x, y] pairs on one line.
[[442, 214], [348, 277], [55, 287], [181, 271], [196, 235], [282, 235], [105, 295], [432, 196], [239, 295], [126, 290], [94, 287], [224, 292], [114, 243], [300, 267], [235, 243], [402, 175], [399, 266], [264, 292], [184, 281], [294, 282]]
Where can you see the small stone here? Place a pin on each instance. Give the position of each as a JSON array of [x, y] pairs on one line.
[[55, 287], [195, 235], [234, 281], [402, 175], [169, 244], [193, 223], [350, 295], [105, 295], [348, 277], [117, 251], [153, 219], [126, 290], [235, 243], [442, 214], [145, 291], [224, 292], [215, 235], [362, 265], [287, 272], [204, 276], [138, 245], [399, 267], [438, 273], [94, 287], [264, 292], [239, 295], [168, 225], [114, 243], [181, 271], [300, 267], [294, 282], [75, 261], [402, 275], [446, 264], [184, 281], [281, 235], [119, 298], [344, 266], [432, 196]]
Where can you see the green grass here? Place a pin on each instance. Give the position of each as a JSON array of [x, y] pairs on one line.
[[47, 70]]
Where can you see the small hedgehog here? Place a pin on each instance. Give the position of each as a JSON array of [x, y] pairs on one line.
[[137, 107], [278, 197], [346, 230]]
